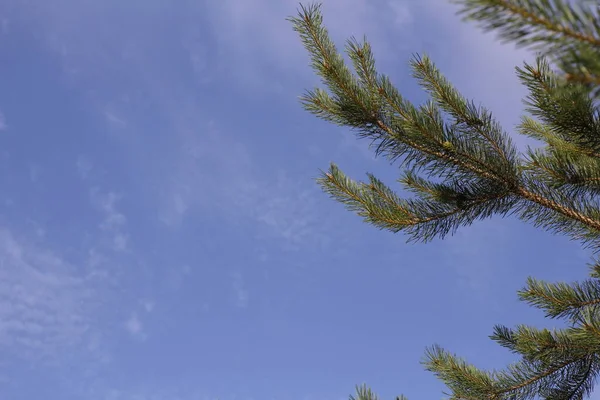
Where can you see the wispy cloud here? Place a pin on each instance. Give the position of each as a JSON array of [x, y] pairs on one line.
[[34, 172], [148, 305], [176, 277], [470, 252], [260, 40], [241, 296], [4, 26], [84, 167], [401, 13], [114, 221], [155, 392], [46, 304], [230, 182], [134, 326], [211, 170]]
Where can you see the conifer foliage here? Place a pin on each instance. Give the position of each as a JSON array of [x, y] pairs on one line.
[[461, 166]]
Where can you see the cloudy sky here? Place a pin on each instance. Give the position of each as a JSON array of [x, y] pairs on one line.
[[161, 234]]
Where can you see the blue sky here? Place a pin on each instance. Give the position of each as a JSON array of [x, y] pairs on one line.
[[161, 234]]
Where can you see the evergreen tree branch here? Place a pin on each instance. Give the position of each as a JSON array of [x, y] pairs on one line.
[[527, 22], [444, 209], [550, 209], [585, 78], [355, 106], [568, 33], [543, 132], [464, 380], [560, 300], [477, 124], [365, 393], [582, 387], [461, 166], [555, 365], [574, 174], [373, 106], [544, 346], [567, 109]]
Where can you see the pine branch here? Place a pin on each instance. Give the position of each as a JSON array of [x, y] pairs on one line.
[[464, 380], [574, 174], [566, 109], [568, 33], [560, 300], [473, 149], [543, 345], [442, 209], [461, 166], [550, 209], [544, 133], [475, 124], [399, 127], [582, 384], [567, 379], [559, 377], [365, 393], [534, 22]]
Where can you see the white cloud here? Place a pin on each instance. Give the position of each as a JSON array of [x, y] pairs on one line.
[[217, 174], [120, 241], [176, 277], [197, 177], [34, 172], [148, 305], [114, 221], [113, 119], [401, 12], [3, 125], [287, 210], [239, 290], [46, 305], [107, 202], [259, 36], [151, 391], [465, 251], [84, 167], [134, 325], [4, 26]]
